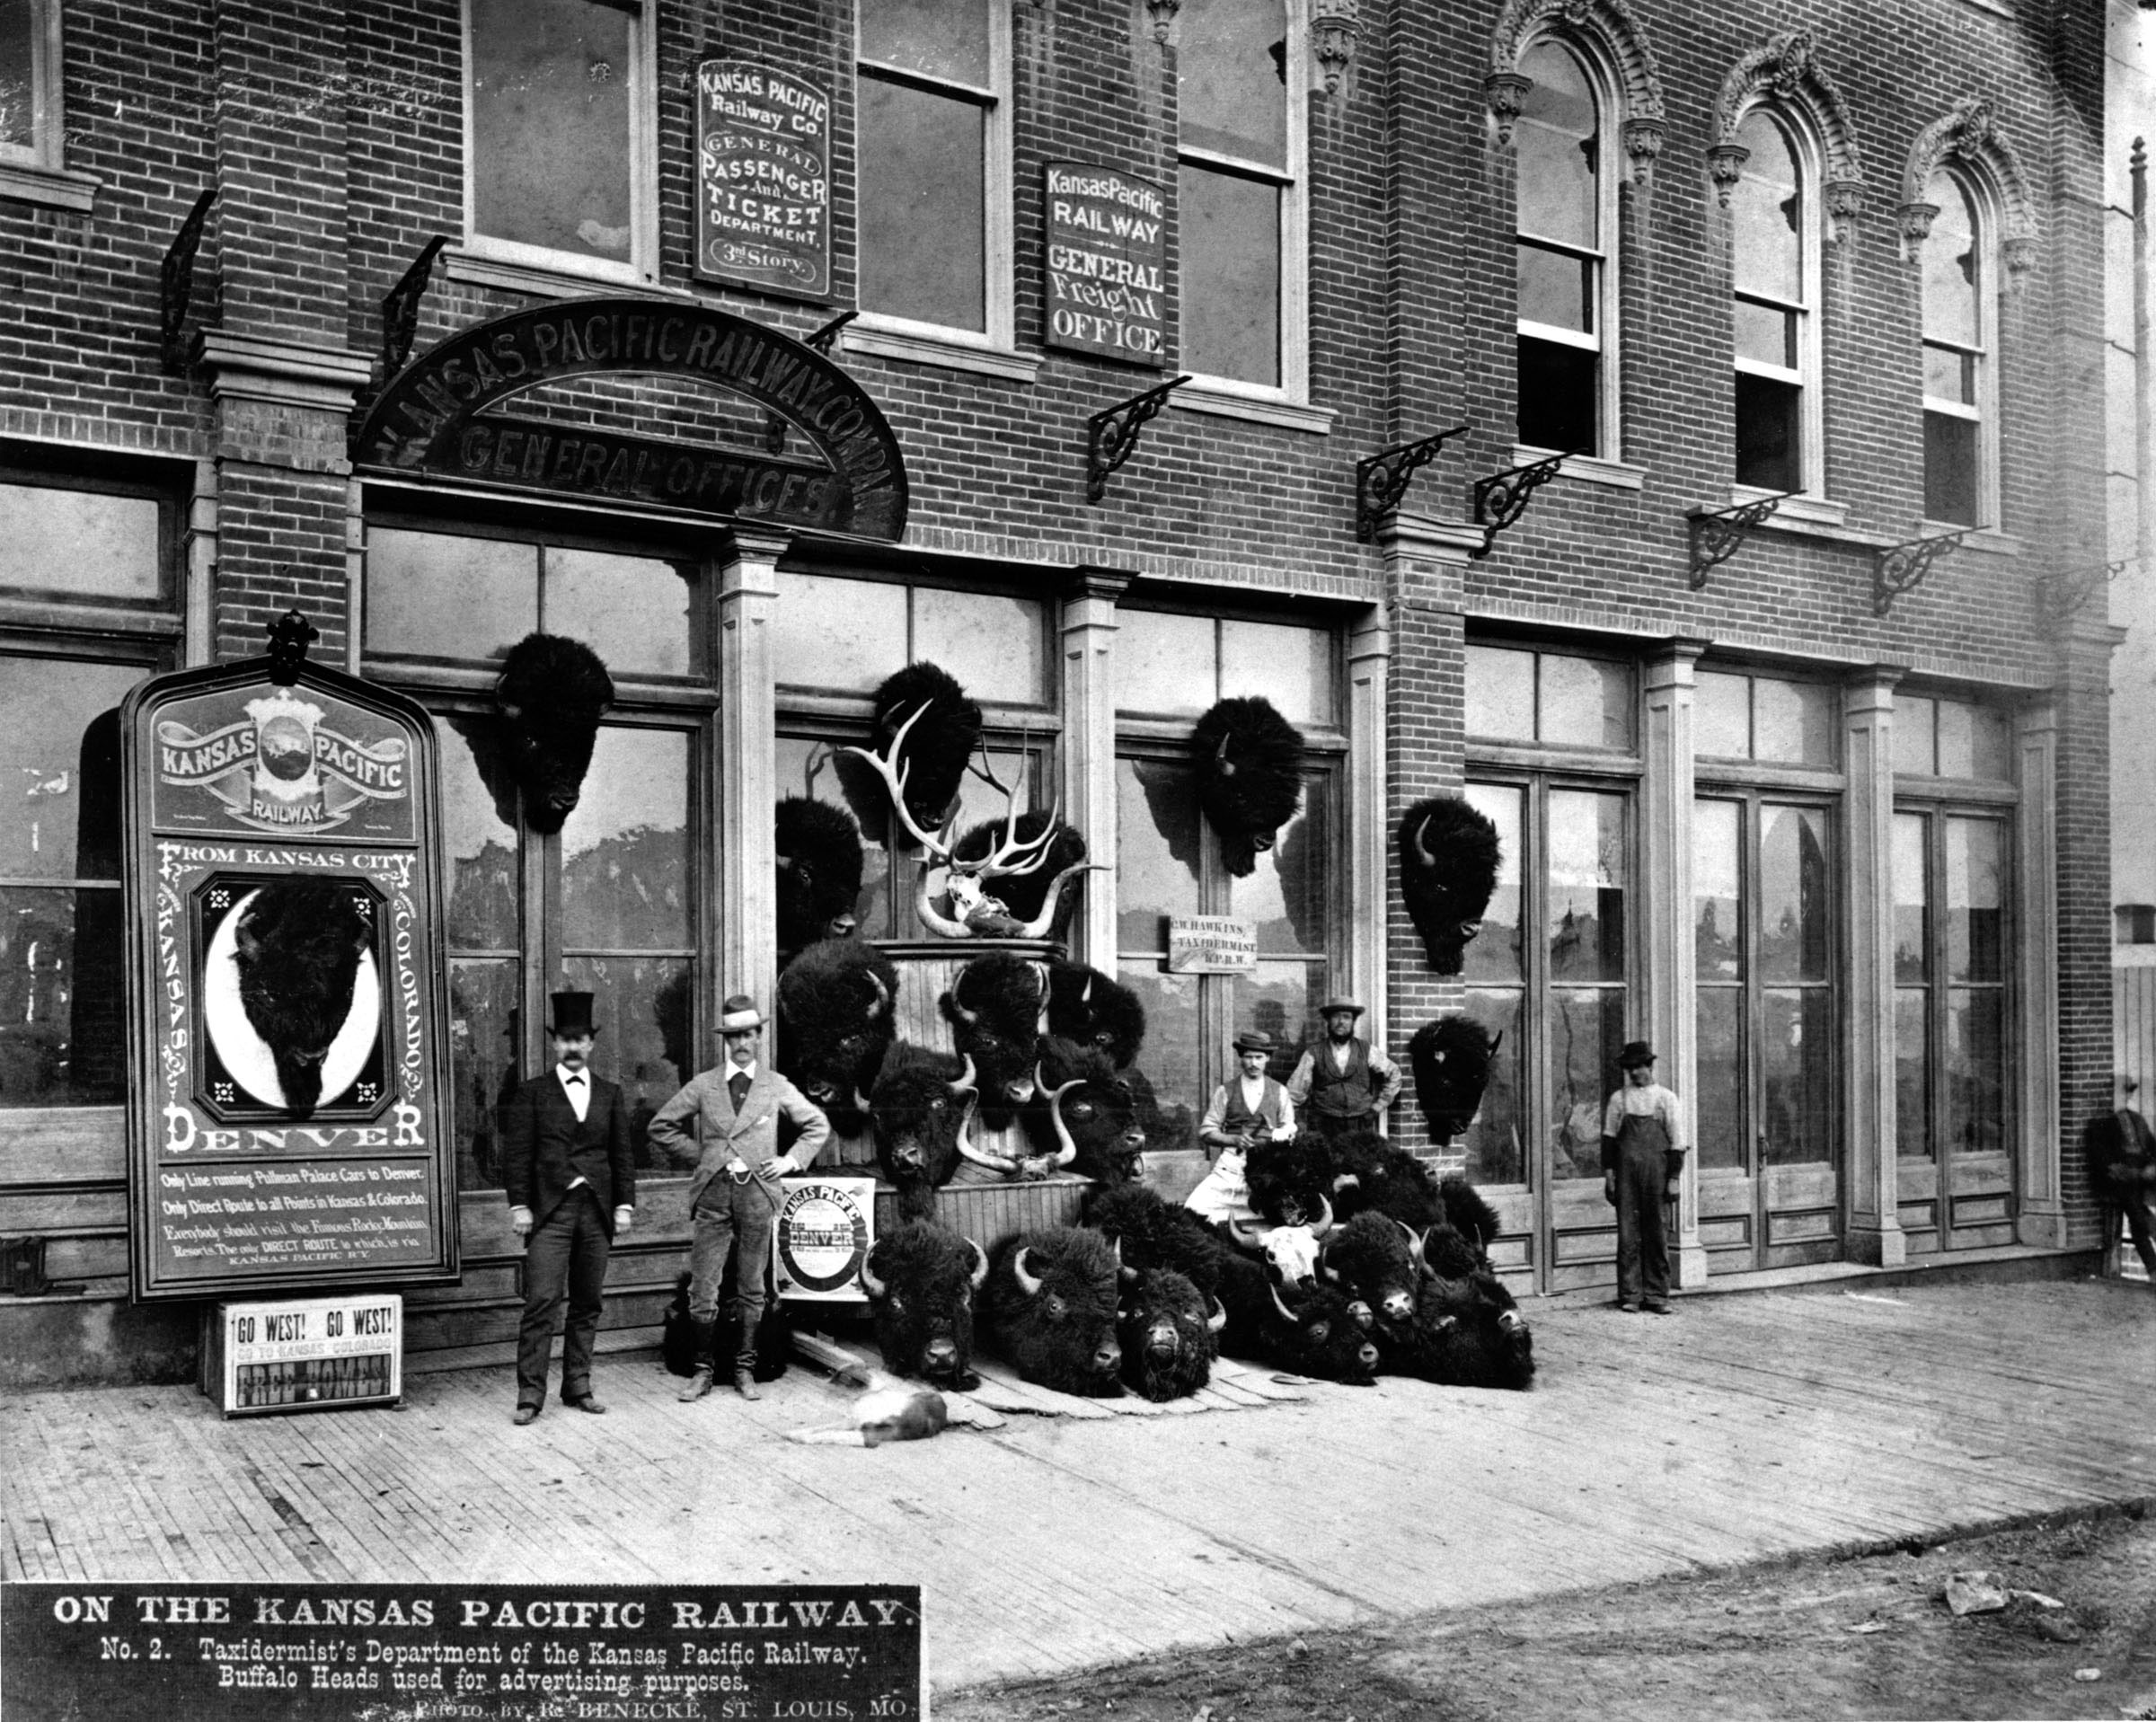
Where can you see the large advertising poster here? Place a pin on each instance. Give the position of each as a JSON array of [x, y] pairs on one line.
[[287, 1119]]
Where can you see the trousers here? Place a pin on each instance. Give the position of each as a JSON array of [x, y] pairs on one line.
[[1642, 1224], [564, 1258], [732, 1219]]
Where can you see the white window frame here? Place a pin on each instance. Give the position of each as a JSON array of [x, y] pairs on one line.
[[1985, 413], [998, 192], [1294, 180], [45, 130], [1608, 407], [1809, 372], [641, 267]]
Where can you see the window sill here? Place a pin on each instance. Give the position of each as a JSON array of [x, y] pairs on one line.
[[1588, 469], [1224, 403], [49, 188], [1811, 510], [1989, 540], [953, 354], [1991, 7], [476, 269]]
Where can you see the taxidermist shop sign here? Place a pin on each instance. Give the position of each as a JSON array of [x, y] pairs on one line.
[[443, 416]]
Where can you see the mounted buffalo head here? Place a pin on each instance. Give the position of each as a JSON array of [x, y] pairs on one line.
[[922, 1107], [551, 695], [1448, 868], [1085, 1115], [1086, 1007], [1377, 1260], [1450, 1058], [1291, 1181], [1168, 1332], [818, 876], [1370, 1173], [926, 730], [1315, 1332], [1467, 1332], [1051, 1299], [921, 1280], [995, 1007], [1249, 777], [836, 1004], [298, 947]]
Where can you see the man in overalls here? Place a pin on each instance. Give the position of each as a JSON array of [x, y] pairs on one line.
[[1642, 1161], [1345, 1084]]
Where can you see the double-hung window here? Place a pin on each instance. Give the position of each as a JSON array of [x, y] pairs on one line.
[[1564, 225], [1776, 278], [1958, 316], [29, 82], [933, 134], [559, 136]]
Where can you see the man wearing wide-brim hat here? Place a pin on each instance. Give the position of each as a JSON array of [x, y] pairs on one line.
[[1248, 1108], [1642, 1159], [571, 1183], [1344, 1083], [735, 1111]]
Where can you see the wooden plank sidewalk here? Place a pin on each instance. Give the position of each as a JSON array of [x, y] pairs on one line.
[[1746, 1427]]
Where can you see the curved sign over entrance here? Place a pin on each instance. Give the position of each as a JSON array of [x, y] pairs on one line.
[[434, 417]]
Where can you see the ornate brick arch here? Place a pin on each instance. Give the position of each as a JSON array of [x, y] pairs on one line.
[[1607, 26], [1969, 135], [1787, 74]]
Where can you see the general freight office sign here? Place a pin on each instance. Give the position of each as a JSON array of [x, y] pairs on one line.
[[1106, 253], [763, 179]]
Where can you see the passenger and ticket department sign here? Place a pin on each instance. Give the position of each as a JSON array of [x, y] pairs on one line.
[[763, 179]]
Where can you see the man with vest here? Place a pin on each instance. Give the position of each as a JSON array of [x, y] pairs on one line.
[[1345, 1084], [1248, 1108]]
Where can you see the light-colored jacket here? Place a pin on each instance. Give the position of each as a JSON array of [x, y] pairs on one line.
[[750, 1135]]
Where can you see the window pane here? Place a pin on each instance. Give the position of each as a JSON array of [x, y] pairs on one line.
[[938, 39], [484, 1013], [1497, 952], [641, 1006], [1719, 1092], [1291, 667], [1796, 879], [1911, 1077], [1231, 275], [923, 205], [813, 768], [1767, 215], [1765, 334], [1953, 310], [1493, 1141], [62, 1017], [1586, 886], [1165, 662], [429, 595], [1500, 693], [1157, 851], [550, 124], [1796, 1074], [840, 636], [1281, 999], [1173, 1059], [1982, 745], [1950, 375], [1975, 892], [1718, 933], [1232, 81], [60, 765], [639, 614], [479, 836], [1950, 470], [1767, 443], [76, 541], [1558, 395], [1914, 749], [1911, 899], [1586, 702], [1556, 287], [18, 68], [1587, 1032], [1975, 1122], [1554, 151], [626, 873], [1286, 895], [1793, 721], [991, 644], [1722, 715]]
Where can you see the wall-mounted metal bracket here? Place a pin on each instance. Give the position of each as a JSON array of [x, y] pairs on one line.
[[1719, 535], [176, 284], [1382, 480], [774, 424], [1112, 436], [1502, 498], [2062, 600], [401, 307], [1901, 568]]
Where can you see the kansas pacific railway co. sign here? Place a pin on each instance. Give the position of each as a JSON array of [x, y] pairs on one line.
[[433, 417]]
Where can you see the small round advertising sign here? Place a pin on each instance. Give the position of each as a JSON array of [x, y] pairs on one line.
[[823, 1236]]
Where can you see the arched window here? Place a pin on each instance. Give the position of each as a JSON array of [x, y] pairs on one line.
[[1959, 317], [1565, 222], [1775, 272]]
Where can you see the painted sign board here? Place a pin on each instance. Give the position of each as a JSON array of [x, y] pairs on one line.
[[317, 1353], [825, 1230], [1211, 944], [1106, 254], [288, 1113], [763, 179]]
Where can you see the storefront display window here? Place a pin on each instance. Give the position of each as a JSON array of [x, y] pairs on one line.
[[1554, 698]]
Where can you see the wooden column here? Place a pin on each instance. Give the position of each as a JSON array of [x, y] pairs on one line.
[[1875, 1234], [747, 787], [1369, 670], [2041, 1213], [1667, 1009], [1087, 628]]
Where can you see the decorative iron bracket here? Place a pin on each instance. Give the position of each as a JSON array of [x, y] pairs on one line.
[[1112, 435], [1901, 568], [774, 424], [1502, 498], [176, 284], [1718, 536], [401, 307], [1382, 480], [2061, 601]]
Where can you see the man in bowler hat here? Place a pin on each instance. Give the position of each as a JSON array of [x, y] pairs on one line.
[[735, 1191], [571, 1183], [1642, 1159], [1343, 1085], [1250, 1108]]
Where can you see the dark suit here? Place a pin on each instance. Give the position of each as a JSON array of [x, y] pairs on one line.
[[544, 1151], [2122, 1166]]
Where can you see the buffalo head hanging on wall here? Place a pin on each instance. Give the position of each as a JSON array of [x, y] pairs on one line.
[[1451, 1059], [1448, 868], [1249, 777], [552, 692], [926, 730]]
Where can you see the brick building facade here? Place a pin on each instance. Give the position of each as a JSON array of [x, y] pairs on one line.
[[1840, 851]]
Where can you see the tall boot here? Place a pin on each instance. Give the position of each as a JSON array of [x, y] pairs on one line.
[[703, 1335], [745, 1361]]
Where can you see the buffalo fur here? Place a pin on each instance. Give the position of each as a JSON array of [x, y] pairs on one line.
[[938, 747], [1101, 1114], [677, 1335], [1467, 1332], [1290, 1179], [1154, 1232], [1448, 868], [1062, 1335], [837, 1005], [1368, 1172], [553, 692], [1449, 1253], [1374, 1259], [298, 950], [1024, 894], [1450, 1058], [1249, 777], [924, 1315], [1321, 1336], [1086, 1006], [917, 1114], [994, 1008], [1167, 1346], [819, 877], [1468, 1213]]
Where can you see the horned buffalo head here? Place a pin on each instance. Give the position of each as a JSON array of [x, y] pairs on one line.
[[297, 946], [551, 695]]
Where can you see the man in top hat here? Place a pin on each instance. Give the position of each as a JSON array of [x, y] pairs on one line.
[[1346, 1083], [1251, 1109], [735, 1191], [571, 1184], [2122, 1168], [1642, 1161]]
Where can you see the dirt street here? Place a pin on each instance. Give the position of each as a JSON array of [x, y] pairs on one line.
[[1870, 1637]]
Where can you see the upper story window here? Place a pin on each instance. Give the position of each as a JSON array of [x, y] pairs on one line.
[[1762, 719], [1775, 271], [932, 141], [1240, 171], [1550, 698], [1960, 416], [1934, 737], [558, 153], [1565, 218], [29, 82]]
